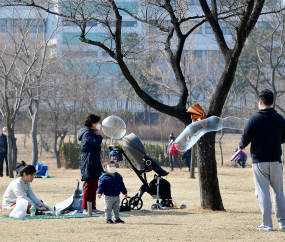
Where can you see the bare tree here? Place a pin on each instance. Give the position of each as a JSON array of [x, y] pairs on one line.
[[64, 104], [19, 63], [266, 50], [40, 77]]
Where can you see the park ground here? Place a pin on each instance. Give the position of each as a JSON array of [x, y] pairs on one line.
[[237, 223]]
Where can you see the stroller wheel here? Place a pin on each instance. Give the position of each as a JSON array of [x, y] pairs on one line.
[[154, 206], [136, 203], [125, 202], [183, 206]]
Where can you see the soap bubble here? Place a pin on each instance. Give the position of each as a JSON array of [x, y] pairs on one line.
[[192, 133], [114, 127]]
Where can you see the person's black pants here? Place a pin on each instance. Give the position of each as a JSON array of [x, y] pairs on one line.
[[2, 157]]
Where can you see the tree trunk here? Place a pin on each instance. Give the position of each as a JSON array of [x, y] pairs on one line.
[[75, 122], [33, 111], [221, 150], [10, 148], [35, 151], [192, 163], [15, 150], [56, 152], [161, 129], [207, 166], [149, 122]]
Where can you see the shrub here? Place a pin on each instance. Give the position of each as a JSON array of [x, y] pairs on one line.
[[70, 155]]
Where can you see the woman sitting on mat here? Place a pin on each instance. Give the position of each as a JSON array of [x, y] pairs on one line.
[[21, 188]]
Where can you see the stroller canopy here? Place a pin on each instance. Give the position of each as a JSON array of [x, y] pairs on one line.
[[135, 148]]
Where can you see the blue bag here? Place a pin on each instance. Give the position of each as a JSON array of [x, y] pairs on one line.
[[41, 169]]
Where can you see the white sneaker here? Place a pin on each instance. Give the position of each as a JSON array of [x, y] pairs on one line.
[[264, 228]]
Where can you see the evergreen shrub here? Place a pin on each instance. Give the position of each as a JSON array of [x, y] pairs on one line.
[[70, 155]]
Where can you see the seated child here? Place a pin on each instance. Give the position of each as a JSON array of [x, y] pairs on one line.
[[111, 184], [240, 158]]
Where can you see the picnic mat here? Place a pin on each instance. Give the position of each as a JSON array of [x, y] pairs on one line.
[[77, 215]]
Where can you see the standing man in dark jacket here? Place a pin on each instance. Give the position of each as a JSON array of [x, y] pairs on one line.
[[3, 151], [91, 167], [266, 132]]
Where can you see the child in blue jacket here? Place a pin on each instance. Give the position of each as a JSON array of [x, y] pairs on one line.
[[111, 184]]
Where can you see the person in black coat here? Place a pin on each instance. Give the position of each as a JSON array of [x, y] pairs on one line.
[[91, 167], [3, 151], [187, 157]]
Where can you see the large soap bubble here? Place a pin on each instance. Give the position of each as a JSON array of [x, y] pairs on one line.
[[114, 127], [192, 133]]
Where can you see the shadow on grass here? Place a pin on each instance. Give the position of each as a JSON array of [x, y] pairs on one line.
[[144, 212], [246, 212]]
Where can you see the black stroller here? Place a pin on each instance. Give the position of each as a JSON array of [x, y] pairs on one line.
[[158, 187]]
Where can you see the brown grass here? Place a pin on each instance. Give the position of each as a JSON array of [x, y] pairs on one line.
[[237, 223]]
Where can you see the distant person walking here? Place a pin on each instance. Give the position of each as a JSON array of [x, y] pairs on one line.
[[3, 151], [170, 154], [265, 130], [91, 167]]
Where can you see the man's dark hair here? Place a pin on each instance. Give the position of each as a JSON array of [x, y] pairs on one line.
[[92, 119], [266, 96]]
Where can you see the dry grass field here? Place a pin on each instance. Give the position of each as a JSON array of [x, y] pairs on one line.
[[237, 223]]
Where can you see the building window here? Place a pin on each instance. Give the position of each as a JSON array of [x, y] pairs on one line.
[[104, 53], [15, 24], [91, 24], [264, 24], [198, 54], [3, 25], [88, 24], [89, 53], [225, 27], [125, 24], [194, 2], [208, 29], [129, 24], [214, 54], [199, 29], [169, 24], [37, 25], [190, 24], [69, 23], [81, 53]]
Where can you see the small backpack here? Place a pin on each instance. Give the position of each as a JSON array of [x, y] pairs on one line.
[[173, 151]]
